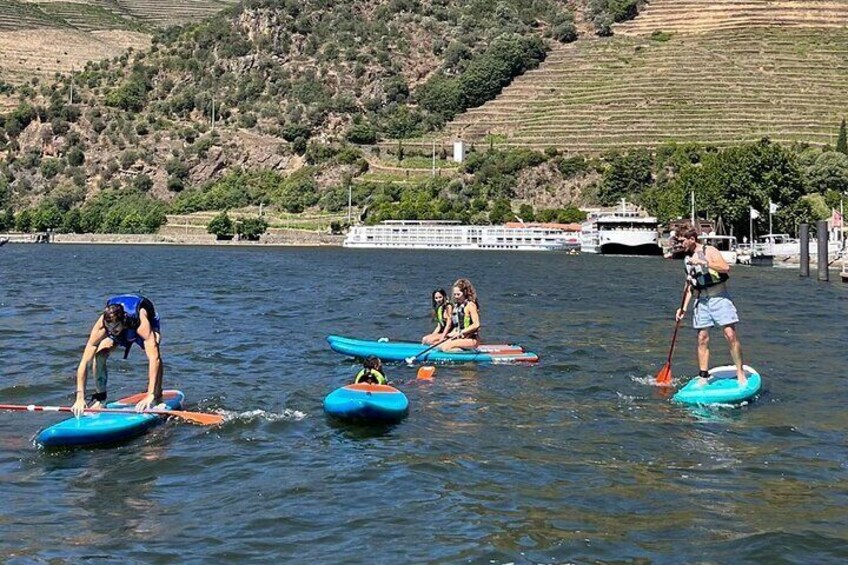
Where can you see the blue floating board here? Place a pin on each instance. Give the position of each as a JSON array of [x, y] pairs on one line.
[[367, 403], [107, 427], [723, 388], [401, 350]]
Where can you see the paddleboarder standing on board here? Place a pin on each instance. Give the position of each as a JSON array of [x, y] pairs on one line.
[[465, 318], [127, 319], [707, 273]]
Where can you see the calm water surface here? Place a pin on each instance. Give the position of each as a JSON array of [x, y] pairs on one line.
[[578, 459]]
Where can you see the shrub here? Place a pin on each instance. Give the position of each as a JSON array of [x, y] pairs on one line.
[[221, 226], [252, 228]]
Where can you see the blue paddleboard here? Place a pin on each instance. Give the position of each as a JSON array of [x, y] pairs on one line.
[[107, 427], [367, 403], [722, 388], [402, 350]]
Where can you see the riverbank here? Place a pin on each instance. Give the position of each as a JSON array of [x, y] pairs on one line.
[[299, 238]]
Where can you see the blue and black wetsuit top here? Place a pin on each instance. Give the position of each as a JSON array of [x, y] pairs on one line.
[[133, 304]]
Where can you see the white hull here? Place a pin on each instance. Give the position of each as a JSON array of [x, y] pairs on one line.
[[435, 235]]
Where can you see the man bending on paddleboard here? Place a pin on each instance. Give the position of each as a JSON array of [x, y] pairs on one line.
[[707, 273], [127, 319]]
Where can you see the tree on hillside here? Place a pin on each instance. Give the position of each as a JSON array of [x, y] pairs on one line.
[[626, 176], [221, 226], [501, 212], [842, 141], [828, 172]]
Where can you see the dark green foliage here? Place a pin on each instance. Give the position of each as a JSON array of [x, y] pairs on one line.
[[23, 221], [828, 172], [221, 226], [567, 215], [251, 228], [565, 32], [501, 212], [7, 220], [626, 176], [46, 217], [50, 167], [297, 192], [121, 212], [362, 134], [76, 157], [131, 95], [731, 181], [526, 213], [485, 76], [842, 140]]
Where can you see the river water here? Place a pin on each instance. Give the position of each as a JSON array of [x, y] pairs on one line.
[[577, 459]]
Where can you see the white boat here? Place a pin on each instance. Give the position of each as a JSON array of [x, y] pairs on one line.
[[726, 245], [780, 244], [407, 234], [627, 231]]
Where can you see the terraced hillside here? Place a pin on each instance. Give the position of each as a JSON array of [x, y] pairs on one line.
[[723, 71], [41, 37]]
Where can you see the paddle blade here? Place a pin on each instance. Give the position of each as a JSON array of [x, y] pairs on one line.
[[664, 375], [426, 373], [200, 418]]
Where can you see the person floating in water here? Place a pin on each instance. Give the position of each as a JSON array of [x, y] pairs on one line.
[[127, 319], [371, 372], [442, 315], [465, 318], [707, 273]]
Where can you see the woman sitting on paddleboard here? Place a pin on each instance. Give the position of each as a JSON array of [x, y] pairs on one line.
[[442, 314], [465, 318]]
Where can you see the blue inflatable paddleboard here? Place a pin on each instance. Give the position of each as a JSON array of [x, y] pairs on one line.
[[367, 403], [722, 387], [107, 427], [402, 350]]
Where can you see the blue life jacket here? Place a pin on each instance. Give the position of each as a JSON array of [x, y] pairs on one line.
[[133, 304]]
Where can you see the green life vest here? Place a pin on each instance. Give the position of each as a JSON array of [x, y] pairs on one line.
[[366, 375]]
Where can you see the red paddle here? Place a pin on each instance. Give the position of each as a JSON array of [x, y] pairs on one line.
[[663, 377], [202, 418]]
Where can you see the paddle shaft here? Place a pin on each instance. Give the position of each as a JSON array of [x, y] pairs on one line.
[[677, 323], [195, 417], [411, 360]]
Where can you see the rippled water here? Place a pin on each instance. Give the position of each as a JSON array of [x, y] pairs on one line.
[[577, 459]]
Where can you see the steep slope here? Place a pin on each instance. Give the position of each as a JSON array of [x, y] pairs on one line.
[[721, 72], [42, 37]]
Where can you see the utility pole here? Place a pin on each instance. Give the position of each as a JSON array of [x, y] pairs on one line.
[[434, 159]]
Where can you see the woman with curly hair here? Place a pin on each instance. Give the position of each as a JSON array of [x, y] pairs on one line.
[[465, 318]]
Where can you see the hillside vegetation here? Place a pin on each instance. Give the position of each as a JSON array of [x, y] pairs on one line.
[[720, 72], [295, 106], [41, 37]]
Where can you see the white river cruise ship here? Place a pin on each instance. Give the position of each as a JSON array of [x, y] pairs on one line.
[[407, 234], [626, 231]]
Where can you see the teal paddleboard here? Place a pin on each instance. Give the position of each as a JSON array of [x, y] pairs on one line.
[[722, 388]]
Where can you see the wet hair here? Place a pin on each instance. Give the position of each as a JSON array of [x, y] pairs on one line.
[[438, 291], [467, 289], [372, 362], [114, 313]]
